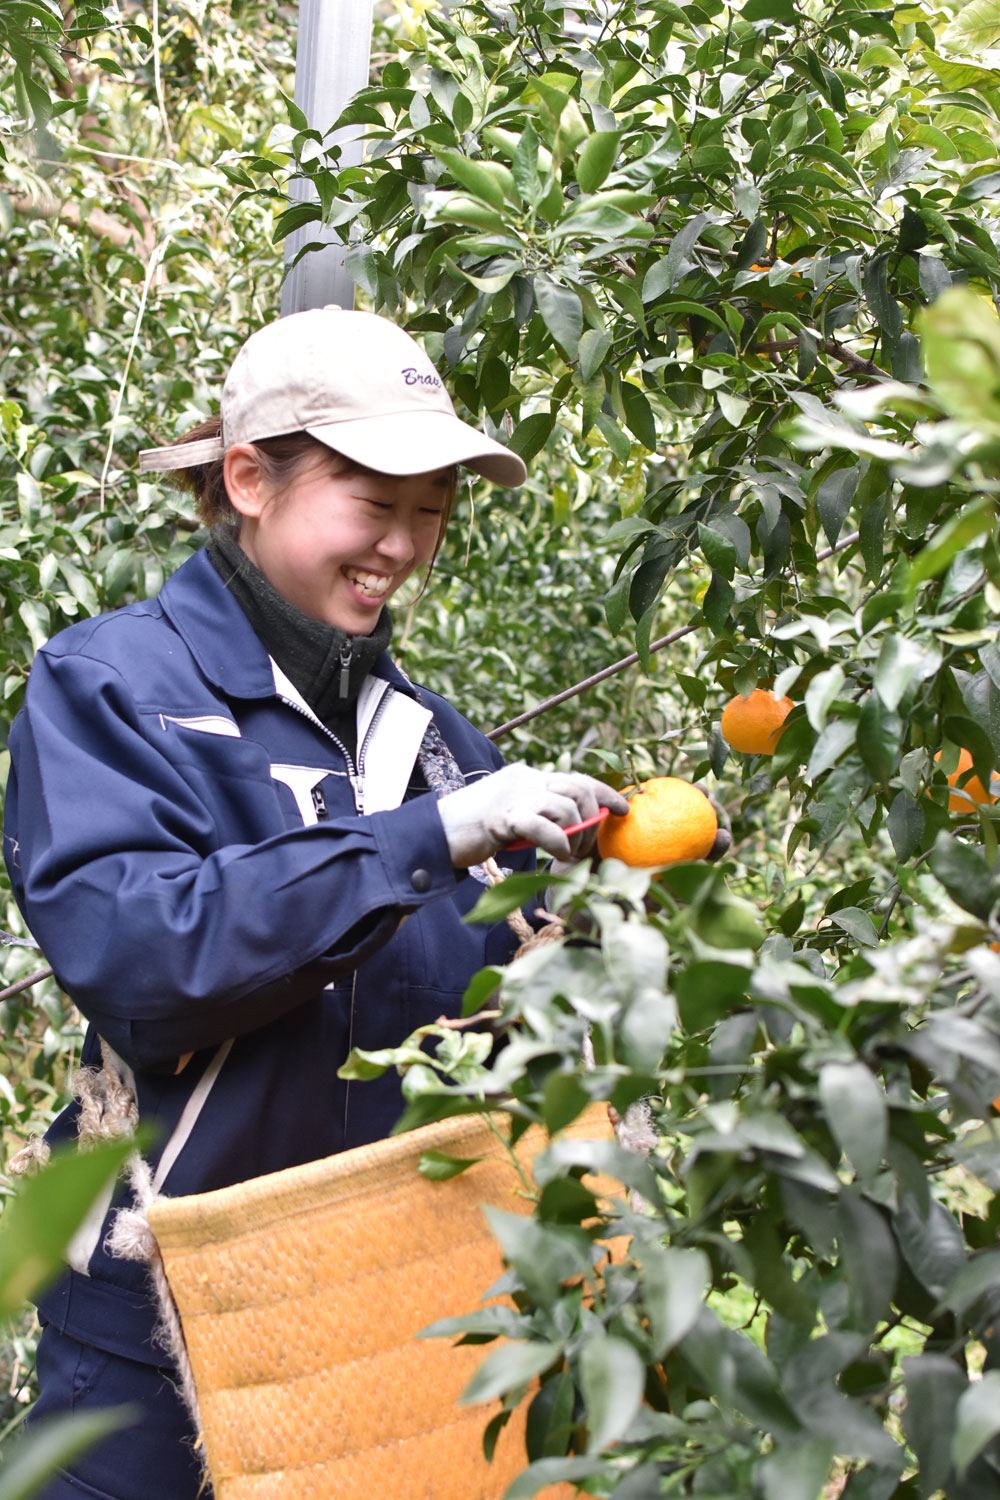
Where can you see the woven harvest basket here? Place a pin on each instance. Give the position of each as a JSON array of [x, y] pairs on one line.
[[300, 1295]]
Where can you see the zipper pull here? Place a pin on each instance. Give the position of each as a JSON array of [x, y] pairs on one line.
[[346, 657], [319, 804], [358, 788]]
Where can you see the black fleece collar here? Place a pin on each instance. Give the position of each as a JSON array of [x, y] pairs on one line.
[[327, 665]]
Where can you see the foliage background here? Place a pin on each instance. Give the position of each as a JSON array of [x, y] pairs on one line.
[[727, 276]]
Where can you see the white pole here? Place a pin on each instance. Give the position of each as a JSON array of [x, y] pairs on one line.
[[332, 58]]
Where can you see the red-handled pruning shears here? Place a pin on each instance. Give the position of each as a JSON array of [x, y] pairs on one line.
[[599, 816]]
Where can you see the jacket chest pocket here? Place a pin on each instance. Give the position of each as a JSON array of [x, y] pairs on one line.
[[315, 792], [229, 773]]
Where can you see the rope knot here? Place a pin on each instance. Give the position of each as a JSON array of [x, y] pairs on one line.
[[108, 1109], [33, 1155], [130, 1237]]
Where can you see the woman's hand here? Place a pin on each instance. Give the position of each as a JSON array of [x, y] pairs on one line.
[[518, 802]]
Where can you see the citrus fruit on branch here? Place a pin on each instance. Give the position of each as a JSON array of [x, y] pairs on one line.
[[668, 821], [967, 792], [752, 725]]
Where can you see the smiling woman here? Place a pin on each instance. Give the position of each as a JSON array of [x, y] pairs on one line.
[[343, 539], [222, 804]]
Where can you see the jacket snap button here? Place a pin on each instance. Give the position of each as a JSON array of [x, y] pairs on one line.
[[420, 881]]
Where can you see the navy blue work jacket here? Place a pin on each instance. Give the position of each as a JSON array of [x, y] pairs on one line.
[[185, 843]]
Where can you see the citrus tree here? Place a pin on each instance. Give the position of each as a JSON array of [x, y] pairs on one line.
[[734, 272]]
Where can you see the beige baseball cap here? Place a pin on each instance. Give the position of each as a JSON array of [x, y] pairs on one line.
[[354, 381]]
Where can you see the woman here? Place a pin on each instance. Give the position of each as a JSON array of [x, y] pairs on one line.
[[224, 802]]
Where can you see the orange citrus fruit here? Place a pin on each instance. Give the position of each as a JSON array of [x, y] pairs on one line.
[[668, 820], [962, 798], [752, 725]]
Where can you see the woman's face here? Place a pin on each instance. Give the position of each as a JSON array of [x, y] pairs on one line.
[[337, 546]]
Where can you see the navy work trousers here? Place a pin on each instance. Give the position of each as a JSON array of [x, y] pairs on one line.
[[153, 1457]]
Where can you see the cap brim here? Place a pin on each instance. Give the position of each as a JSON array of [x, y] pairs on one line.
[[418, 442]]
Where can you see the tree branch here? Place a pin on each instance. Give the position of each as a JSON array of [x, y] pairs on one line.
[[580, 687], [98, 223], [25, 984], [831, 347]]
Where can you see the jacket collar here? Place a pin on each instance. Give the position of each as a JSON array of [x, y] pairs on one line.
[[221, 638]]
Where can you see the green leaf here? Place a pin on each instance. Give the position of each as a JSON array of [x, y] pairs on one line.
[[542, 1255], [606, 1157], [797, 1472], [296, 116], [985, 186], [833, 500], [500, 900], [879, 736], [549, 1471], [931, 1242], [597, 157], [481, 988], [950, 539], [822, 693], [978, 1275], [549, 1428], [508, 1368], [707, 990], [720, 553], [476, 177], [221, 119], [961, 342], [525, 166], [668, 269], [612, 1379], [530, 436], [360, 265], [33, 1458], [639, 417], [561, 310], [975, 28], [738, 1374], [563, 1100], [835, 739], [905, 824], [869, 1254], [719, 599], [879, 299], [616, 604], [616, 439], [901, 661], [674, 1284], [873, 1482], [855, 1109], [934, 276], [977, 1419], [770, 10], [964, 874], [42, 1217], [858, 924], [934, 1384], [438, 1166], [594, 347], [35, 618], [982, 700], [733, 408]]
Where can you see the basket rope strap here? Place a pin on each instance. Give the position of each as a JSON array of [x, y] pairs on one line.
[[131, 1238], [518, 923]]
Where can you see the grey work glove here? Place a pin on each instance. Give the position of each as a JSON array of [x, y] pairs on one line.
[[521, 803]]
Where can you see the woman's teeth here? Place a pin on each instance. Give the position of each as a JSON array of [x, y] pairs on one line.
[[369, 583]]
